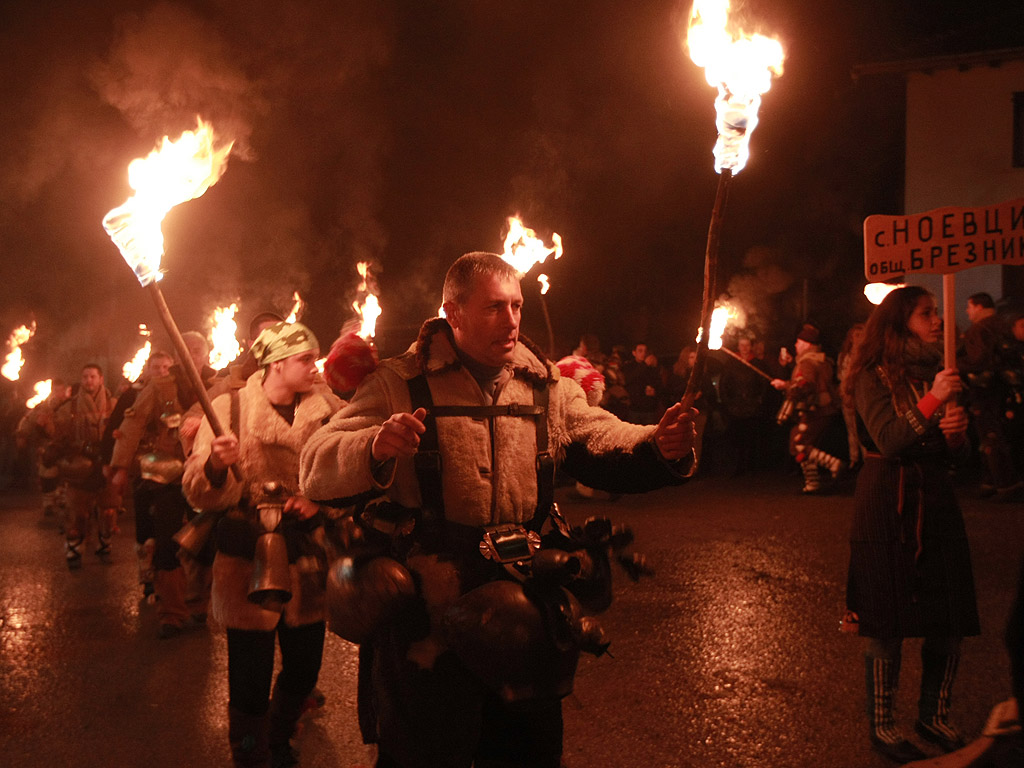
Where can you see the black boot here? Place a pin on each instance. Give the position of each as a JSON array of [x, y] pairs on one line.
[[285, 710], [249, 739], [882, 677], [938, 670]]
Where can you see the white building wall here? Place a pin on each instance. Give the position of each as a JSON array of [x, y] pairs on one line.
[[960, 152]]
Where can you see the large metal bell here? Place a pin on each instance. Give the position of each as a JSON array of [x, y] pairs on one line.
[[271, 585], [196, 532]]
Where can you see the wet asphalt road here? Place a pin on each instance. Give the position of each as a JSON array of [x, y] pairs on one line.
[[729, 656]]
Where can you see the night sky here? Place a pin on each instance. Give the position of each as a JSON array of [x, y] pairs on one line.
[[404, 134]]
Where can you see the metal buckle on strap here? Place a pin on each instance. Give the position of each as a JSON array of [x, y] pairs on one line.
[[509, 544]]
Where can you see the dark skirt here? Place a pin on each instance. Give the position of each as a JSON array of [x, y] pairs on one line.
[[910, 565]]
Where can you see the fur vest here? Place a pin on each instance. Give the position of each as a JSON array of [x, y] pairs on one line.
[[488, 464], [269, 448]]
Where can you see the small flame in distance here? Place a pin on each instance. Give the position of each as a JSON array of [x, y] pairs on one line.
[[42, 391], [14, 360], [225, 346]]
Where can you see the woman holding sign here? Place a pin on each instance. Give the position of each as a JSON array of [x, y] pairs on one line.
[[910, 565]]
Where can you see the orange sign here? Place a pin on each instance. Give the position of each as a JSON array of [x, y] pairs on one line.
[[943, 240]]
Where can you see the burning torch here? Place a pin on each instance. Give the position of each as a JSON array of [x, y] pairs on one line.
[[173, 173], [523, 249], [14, 361], [741, 67]]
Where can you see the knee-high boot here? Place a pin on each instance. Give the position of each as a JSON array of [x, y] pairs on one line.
[[248, 736], [285, 710], [938, 670], [882, 677]]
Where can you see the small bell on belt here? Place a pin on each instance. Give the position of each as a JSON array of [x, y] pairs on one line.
[[271, 577]]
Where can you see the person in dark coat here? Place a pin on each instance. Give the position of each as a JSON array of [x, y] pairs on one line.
[[910, 565]]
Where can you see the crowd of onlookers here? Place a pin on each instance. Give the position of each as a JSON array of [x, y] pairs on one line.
[[742, 420]]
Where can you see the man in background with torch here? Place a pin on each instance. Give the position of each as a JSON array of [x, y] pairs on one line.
[[158, 412], [78, 431], [36, 433], [463, 433]]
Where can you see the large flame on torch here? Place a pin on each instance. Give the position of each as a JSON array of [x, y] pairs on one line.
[[741, 67], [173, 173], [720, 318], [225, 344], [369, 310], [523, 249], [14, 361], [42, 391]]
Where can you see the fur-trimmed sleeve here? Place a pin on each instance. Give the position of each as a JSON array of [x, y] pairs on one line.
[[196, 486], [335, 463], [600, 432]]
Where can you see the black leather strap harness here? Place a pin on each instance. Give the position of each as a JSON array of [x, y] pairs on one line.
[[428, 461]]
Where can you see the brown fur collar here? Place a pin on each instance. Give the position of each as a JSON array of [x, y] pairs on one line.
[[435, 353]]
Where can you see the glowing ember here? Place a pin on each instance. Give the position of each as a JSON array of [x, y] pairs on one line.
[[875, 292], [14, 361], [42, 389], [297, 309], [720, 318], [175, 172], [741, 67], [544, 283], [225, 346], [523, 249], [369, 310]]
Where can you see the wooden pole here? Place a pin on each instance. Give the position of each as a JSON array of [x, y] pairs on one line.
[[739, 359], [949, 319], [547, 322], [186, 362], [693, 384]]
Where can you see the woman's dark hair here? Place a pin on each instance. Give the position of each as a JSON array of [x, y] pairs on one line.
[[885, 343]]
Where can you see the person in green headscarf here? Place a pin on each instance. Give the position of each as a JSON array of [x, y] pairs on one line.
[[275, 414]]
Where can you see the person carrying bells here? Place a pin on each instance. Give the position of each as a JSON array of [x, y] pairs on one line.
[[462, 432], [271, 418]]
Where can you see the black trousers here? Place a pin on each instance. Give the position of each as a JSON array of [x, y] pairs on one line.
[[251, 664]]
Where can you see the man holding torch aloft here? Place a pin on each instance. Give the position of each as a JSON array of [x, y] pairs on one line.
[[463, 433]]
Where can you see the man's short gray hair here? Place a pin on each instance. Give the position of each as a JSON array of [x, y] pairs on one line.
[[196, 336], [459, 281]]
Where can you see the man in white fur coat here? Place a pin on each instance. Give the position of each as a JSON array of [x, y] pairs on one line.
[[281, 405], [493, 399]]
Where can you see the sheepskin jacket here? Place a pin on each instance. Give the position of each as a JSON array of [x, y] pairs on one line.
[[488, 464], [269, 448]]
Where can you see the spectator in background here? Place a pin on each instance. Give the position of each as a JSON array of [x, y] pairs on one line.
[[742, 392], [643, 384], [853, 339], [982, 364], [616, 398]]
